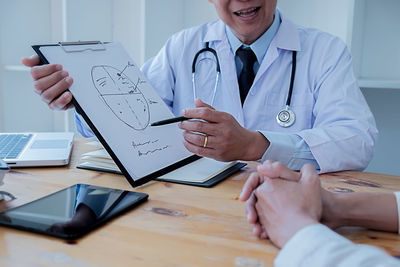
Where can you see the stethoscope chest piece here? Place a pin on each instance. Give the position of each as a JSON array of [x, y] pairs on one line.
[[285, 117]]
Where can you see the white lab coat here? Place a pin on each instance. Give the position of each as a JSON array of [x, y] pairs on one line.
[[332, 115]]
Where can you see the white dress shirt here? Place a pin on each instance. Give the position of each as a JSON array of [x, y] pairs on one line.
[[317, 245]]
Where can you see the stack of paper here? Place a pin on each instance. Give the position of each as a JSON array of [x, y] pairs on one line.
[[98, 160]]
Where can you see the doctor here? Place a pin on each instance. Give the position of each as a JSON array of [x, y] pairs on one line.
[[283, 92]]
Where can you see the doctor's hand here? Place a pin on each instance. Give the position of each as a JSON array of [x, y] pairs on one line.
[[51, 83], [222, 138]]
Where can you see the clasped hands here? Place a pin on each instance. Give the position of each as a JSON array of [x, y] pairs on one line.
[[280, 202]]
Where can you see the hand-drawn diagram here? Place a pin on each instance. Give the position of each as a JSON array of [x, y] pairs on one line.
[[122, 95]]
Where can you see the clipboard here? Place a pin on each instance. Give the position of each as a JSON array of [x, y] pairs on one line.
[[107, 55]]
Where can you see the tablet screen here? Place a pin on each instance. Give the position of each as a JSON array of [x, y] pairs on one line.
[[71, 212]]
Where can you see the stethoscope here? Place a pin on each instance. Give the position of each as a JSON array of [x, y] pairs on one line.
[[284, 118], [218, 69]]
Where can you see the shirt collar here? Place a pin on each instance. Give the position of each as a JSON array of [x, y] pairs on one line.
[[215, 32], [260, 46]]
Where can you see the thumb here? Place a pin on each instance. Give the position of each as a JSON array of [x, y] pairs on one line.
[[30, 61], [308, 174], [278, 170], [200, 104]]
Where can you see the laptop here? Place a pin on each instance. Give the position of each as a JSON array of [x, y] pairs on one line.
[[36, 149]]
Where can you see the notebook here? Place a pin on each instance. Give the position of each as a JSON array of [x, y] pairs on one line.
[[204, 172], [36, 149]]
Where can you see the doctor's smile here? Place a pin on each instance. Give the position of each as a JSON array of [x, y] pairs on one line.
[[247, 14]]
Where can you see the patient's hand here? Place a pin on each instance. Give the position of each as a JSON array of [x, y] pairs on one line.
[[285, 207]]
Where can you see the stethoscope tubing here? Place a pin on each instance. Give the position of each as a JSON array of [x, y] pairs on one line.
[[291, 116], [206, 49], [218, 70], [292, 75]]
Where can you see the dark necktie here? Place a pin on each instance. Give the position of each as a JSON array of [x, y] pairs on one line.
[[246, 76]]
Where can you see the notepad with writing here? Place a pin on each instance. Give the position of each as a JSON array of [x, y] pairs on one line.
[[204, 172]]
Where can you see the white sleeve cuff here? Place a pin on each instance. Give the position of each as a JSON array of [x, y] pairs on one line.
[[281, 147], [290, 149], [304, 243], [317, 245]]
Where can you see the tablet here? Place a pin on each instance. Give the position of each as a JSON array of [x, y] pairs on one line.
[[71, 212]]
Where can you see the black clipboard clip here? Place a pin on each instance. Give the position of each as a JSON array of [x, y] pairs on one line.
[[92, 46]]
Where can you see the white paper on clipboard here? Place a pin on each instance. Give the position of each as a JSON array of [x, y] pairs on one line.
[[121, 104]]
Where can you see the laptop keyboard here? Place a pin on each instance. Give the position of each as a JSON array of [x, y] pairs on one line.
[[11, 145]]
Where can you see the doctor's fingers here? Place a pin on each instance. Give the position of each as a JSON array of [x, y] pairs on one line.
[[199, 103], [63, 102], [200, 127], [57, 95], [52, 81], [31, 61], [38, 72], [200, 140], [205, 113], [278, 170], [199, 150], [210, 150]]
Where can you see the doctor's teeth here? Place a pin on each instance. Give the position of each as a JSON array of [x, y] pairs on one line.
[[247, 12]]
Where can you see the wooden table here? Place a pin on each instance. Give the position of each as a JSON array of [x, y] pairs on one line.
[[178, 226]]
